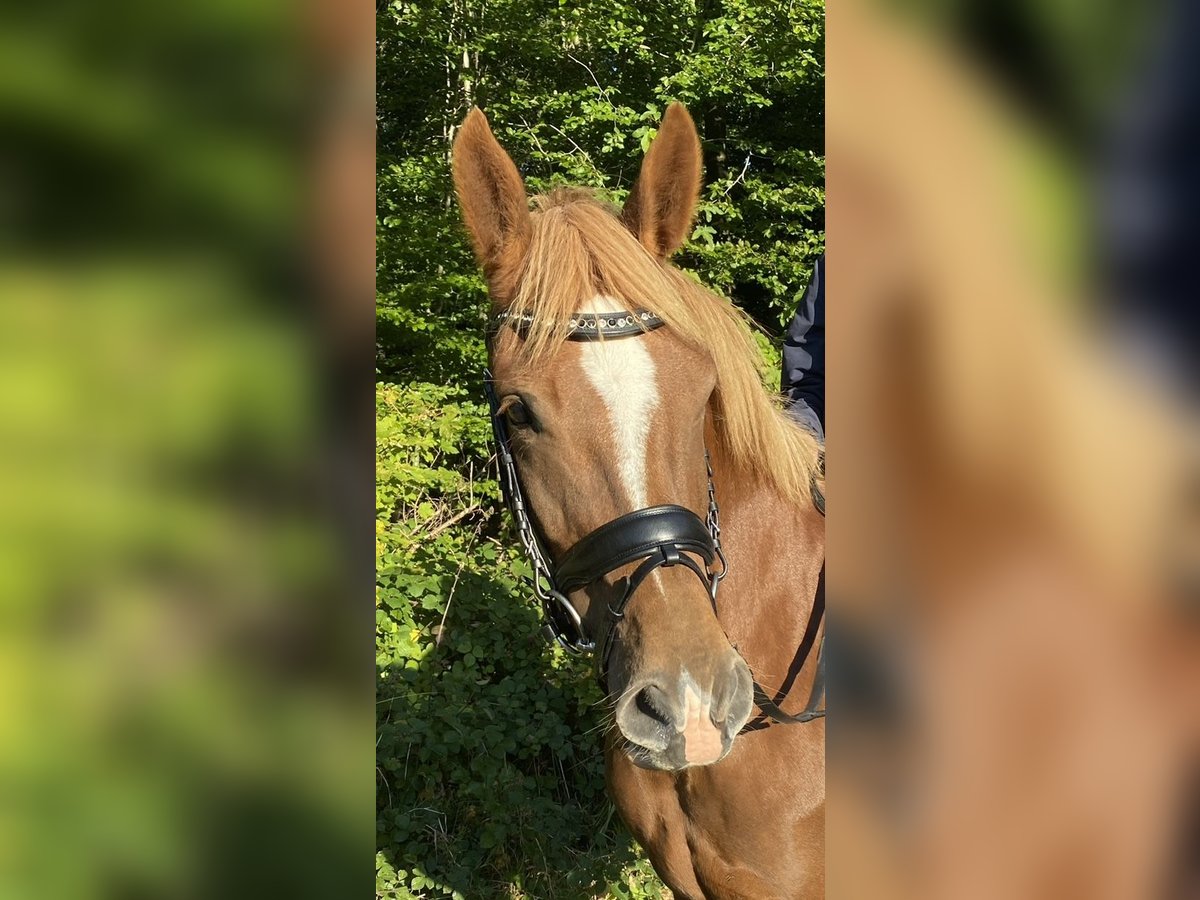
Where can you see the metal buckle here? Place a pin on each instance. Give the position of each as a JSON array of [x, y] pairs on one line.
[[578, 643]]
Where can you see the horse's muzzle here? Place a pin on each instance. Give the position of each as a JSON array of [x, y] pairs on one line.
[[674, 722]]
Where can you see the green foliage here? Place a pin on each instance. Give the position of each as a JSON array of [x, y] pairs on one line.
[[490, 775], [490, 767], [575, 94]]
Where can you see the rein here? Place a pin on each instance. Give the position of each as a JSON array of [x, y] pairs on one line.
[[655, 537]]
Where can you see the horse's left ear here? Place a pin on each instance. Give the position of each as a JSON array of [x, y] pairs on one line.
[[663, 201]]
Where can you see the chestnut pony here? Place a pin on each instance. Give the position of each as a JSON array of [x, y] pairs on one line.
[[600, 429]]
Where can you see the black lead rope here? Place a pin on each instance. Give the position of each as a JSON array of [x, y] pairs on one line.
[[771, 710], [770, 706]]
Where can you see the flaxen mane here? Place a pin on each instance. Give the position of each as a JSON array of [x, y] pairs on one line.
[[580, 249]]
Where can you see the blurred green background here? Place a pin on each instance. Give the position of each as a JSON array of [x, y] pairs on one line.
[[178, 713], [490, 774]]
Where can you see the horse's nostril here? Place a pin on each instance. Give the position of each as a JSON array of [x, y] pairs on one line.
[[652, 703], [733, 697], [645, 717]]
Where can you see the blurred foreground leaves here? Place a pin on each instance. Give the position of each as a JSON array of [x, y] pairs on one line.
[[176, 702]]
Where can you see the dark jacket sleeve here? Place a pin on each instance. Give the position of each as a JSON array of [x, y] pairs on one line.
[[1149, 205], [803, 381]]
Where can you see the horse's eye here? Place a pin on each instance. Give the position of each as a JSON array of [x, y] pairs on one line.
[[517, 414]]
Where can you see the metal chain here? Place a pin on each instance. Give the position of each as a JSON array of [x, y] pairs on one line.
[[542, 575], [714, 526], [510, 489]]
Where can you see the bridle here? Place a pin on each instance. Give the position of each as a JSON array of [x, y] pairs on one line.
[[655, 537]]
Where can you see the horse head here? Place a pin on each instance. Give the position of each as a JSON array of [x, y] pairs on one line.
[[608, 431]]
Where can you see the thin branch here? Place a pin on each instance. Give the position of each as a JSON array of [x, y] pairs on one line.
[[441, 629], [590, 72], [584, 153], [741, 175], [457, 517], [541, 150]]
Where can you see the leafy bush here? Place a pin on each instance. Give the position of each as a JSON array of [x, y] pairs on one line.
[[490, 767]]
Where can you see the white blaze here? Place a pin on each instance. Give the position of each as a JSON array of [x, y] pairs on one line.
[[622, 372]]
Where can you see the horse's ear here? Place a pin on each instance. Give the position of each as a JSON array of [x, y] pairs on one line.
[[493, 201], [663, 201]]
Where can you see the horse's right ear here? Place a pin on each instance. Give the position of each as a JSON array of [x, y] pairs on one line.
[[492, 197]]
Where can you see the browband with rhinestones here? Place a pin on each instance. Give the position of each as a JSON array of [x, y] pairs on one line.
[[589, 326]]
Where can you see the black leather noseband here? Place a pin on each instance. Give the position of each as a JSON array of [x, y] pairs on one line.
[[631, 537], [658, 537]]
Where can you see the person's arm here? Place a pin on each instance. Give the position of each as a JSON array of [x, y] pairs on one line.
[[803, 379]]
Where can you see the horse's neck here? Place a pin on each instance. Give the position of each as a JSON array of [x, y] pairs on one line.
[[775, 550]]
